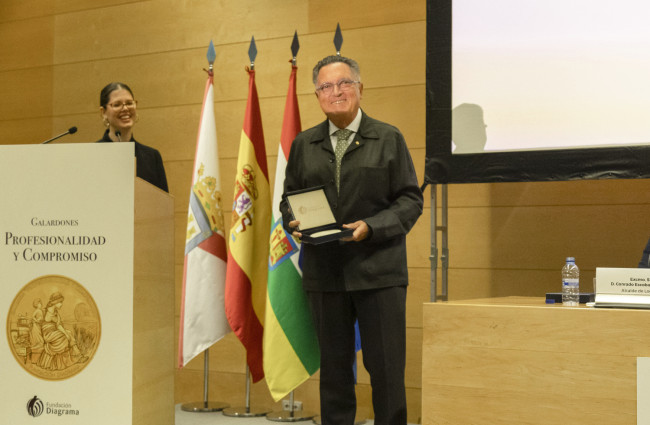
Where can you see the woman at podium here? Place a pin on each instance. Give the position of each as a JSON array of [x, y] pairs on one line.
[[119, 112]]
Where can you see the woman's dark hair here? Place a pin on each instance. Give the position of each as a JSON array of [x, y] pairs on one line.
[[110, 88]]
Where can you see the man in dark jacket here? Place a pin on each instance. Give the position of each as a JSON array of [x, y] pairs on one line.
[[370, 182]]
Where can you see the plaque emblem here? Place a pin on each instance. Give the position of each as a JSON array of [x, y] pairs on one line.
[[53, 327], [245, 194], [205, 215], [282, 245]]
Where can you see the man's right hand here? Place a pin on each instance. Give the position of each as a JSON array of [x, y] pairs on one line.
[[294, 224]]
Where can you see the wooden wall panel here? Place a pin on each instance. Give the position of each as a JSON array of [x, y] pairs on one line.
[[170, 25], [25, 131], [78, 84], [410, 119], [26, 93], [471, 283], [511, 238], [522, 237], [418, 292], [26, 50], [399, 63], [418, 240], [148, 76], [581, 192], [15, 10], [68, 6], [26, 43], [361, 14]]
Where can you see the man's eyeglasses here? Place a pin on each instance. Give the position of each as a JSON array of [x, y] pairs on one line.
[[343, 85], [129, 104]]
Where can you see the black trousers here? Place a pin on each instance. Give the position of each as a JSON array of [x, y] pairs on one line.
[[382, 326]]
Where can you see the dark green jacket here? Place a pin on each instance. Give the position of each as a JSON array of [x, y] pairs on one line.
[[378, 186]]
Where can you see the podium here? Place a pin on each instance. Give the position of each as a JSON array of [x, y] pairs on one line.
[[153, 316], [87, 288]]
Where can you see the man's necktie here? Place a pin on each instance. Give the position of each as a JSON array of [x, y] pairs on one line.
[[341, 146]]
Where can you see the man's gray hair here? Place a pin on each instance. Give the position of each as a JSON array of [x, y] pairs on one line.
[[354, 66]]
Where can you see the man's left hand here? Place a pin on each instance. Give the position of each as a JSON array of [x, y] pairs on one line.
[[361, 231]]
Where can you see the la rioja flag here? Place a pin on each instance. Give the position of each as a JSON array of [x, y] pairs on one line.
[[291, 353], [203, 320]]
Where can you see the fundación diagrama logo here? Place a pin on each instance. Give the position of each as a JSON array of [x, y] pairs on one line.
[[35, 407]]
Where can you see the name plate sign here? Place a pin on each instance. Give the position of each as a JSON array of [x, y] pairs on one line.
[[621, 287]]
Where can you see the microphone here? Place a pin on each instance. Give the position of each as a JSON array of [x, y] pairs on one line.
[[118, 135], [71, 130]]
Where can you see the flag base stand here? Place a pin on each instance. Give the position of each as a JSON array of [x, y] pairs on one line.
[[244, 412], [357, 421], [290, 416], [205, 405], [201, 406]]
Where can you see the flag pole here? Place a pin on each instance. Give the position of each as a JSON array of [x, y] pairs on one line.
[[291, 415], [205, 405], [246, 411]]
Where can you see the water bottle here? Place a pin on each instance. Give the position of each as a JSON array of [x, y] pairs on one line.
[[570, 283]]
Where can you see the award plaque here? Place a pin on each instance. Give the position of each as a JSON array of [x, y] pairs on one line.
[[317, 222]]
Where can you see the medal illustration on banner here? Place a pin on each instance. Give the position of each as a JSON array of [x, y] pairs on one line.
[[53, 327]]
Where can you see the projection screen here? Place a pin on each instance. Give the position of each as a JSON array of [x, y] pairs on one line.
[[537, 90]]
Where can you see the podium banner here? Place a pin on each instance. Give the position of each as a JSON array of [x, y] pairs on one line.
[[66, 283]]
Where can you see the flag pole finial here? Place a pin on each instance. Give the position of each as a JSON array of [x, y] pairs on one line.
[[338, 39], [252, 53], [211, 55], [295, 46]]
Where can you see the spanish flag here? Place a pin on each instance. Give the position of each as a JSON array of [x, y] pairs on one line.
[[248, 243], [291, 353]]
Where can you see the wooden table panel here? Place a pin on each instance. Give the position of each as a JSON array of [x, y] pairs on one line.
[[516, 360]]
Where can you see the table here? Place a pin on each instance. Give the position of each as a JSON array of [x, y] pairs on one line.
[[517, 360]]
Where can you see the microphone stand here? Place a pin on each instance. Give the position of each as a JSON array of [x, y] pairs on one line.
[[71, 130]]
